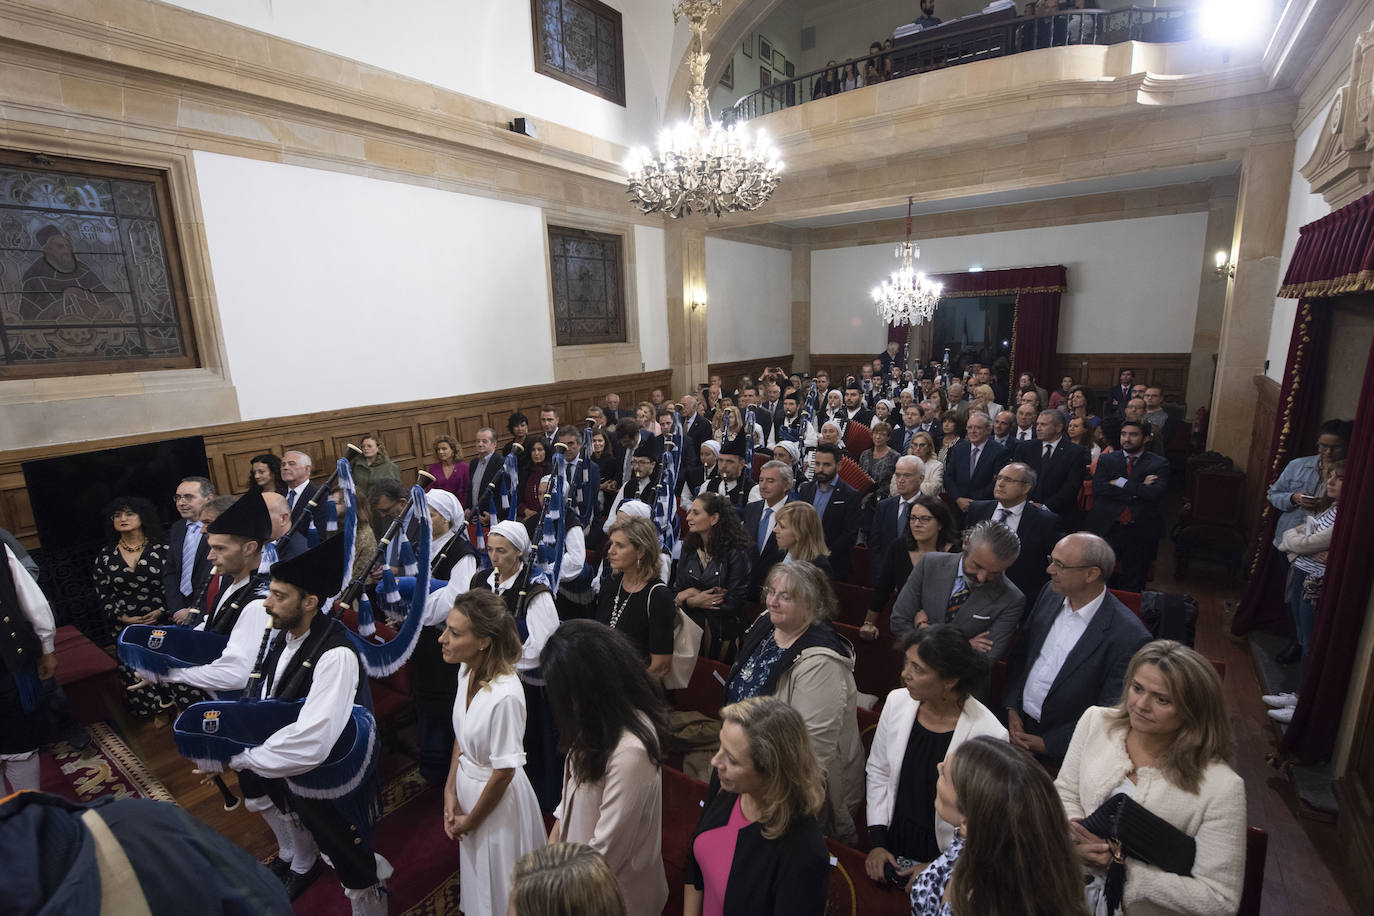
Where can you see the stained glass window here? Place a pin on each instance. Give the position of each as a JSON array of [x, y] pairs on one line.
[[87, 283], [580, 43], [588, 299]]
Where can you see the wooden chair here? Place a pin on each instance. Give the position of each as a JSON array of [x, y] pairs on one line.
[[853, 601], [860, 560], [877, 665], [705, 690], [1130, 599], [1256, 851], [682, 800]]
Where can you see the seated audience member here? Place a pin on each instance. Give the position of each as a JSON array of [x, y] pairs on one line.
[[597, 416], [1165, 746], [760, 522], [923, 721], [612, 410], [1078, 406], [1027, 380], [281, 523], [565, 879], [1128, 487], [1059, 398], [1083, 436], [635, 601], [518, 425], [1059, 464], [712, 581], [1011, 853], [758, 848], [733, 481], [534, 465], [613, 724], [879, 462], [793, 653], [889, 518], [645, 416], [264, 474], [1073, 654], [1036, 528], [929, 529], [372, 465], [923, 446], [952, 430], [837, 504], [364, 540], [827, 83], [127, 575], [449, 469], [983, 400], [972, 465], [968, 590]]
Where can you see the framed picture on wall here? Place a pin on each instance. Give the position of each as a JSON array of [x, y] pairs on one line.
[[727, 77], [791, 69], [748, 47], [765, 77], [779, 62], [765, 50]]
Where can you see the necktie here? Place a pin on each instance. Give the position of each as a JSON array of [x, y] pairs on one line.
[[290, 499], [212, 593], [973, 460], [1130, 466], [189, 547], [763, 526], [956, 600], [1049, 450], [1126, 517], [903, 517], [1003, 515]]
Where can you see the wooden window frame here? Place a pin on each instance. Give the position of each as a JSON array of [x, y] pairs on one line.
[[600, 9], [621, 243], [176, 278]]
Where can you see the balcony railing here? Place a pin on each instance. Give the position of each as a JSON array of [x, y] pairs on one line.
[[966, 40]]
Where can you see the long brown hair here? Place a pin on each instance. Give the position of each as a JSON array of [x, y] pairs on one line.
[[780, 752], [808, 537], [643, 538], [1017, 858], [1204, 730], [488, 616]]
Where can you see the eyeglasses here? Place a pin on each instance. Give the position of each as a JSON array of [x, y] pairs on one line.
[[1004, 479], [1060, 567], [183, 498], [923, 518]]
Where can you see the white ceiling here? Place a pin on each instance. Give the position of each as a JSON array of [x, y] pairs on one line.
[[1130, 182]]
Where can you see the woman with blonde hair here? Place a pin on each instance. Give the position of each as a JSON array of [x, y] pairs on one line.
[[982, 400], [758, 847], [1165, 749], [489, 804], [923, 447], [565, 879], [1010, 854], [800, 537], [635, 600]]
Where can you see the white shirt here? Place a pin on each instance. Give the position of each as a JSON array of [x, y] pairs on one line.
[[33, 602], [615, 505], [305, 743], [809, 435], [1059, 642], [772, 519], [440, 602], [299, 490], [1013, 520], [542, 619], [230, 671], [1025, 435]]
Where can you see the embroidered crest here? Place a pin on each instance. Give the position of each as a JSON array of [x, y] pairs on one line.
[[155, 639], [210, 722]]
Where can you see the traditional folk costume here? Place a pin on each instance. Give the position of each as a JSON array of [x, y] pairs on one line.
[[639, 488], [736, 492]]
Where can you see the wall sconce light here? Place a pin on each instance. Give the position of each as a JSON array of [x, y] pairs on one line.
[[698, 300], [1225, 267]]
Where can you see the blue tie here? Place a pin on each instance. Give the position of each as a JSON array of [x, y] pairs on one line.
[[188, 555], [763, 526], [290, 499]]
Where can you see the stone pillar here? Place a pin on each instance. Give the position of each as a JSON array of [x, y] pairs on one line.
[[801, 307], [1211, 298], [1261, 211], [685, 267]]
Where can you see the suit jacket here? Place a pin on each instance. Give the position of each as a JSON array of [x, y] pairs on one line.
[[1039, 530], [1143, 500], [171, 572], [995, 608], [958, 483], [1058, 481], [901, 437], [699, 430], [840, 522], [1117, 399], [769, 555], [860, 414], [493, 469], [303, 501], [882, 531], [1092, 671]]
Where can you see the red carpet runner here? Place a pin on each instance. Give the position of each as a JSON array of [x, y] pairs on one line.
[[106, 767]]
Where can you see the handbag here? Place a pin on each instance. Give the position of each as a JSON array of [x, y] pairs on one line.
[[686, 646], [1134, 831]]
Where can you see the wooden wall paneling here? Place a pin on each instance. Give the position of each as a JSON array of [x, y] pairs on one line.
[[840, 364], [237, 466], [730, 372], [16, 515], [401, 442], [1261, 438], [1100, 371], [319, 460]]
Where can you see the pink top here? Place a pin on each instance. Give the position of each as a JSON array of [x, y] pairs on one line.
[[457, 483], [714, 851]]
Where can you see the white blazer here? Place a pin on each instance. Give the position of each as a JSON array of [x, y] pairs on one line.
[[889, 747]]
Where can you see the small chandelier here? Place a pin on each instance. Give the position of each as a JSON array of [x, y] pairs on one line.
[[908, 297], [702, 167]]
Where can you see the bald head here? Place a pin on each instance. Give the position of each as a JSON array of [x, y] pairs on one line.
[[280, 511]]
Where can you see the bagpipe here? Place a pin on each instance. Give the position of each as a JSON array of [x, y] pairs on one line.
[[505, 486]]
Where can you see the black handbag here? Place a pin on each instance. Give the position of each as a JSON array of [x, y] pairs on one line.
[[1134, 831]]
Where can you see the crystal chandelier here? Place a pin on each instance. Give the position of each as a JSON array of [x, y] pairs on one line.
[[908, 297], [702, 167]]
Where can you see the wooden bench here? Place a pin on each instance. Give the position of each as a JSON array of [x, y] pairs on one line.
[[87, 675]]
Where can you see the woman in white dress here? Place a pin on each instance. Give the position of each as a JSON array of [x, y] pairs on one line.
[[489, 804]]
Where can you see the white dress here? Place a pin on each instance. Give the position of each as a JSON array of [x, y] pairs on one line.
[[491, 735]]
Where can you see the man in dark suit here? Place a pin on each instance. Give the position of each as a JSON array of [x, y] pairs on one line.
[[295, 473], [698, 427], [749, 397], [838, 505], [968, 590], [188, 559], [1059, 465], [280, 513], [887, 357], [775, 491], [893, 514], [1120, 396], [1127, 489], [612, 409], [973, 463], [548, 429], [1078, 640], [1038, 529], [911, 423], [854, 405], [483, 470]]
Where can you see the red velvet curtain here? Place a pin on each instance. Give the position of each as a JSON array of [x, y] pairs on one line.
[[1345, 594], [1334, 255], [1295, 433], [1035, 335]]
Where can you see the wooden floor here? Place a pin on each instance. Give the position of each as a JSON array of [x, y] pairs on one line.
[[1305, 862]]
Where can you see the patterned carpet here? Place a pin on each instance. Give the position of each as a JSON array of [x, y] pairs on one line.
[[106, 767]]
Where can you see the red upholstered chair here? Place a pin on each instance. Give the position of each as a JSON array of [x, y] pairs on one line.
[[705, 692], [1219, 665], [761, 457], [1256, 851], [877, 665], [682, 799], [853, 601], [87, 675], [861, 566], [852, 892], [1130, 599]]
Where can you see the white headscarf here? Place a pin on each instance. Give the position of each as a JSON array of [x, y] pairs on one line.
[[447, 505], [791, 449], [635, 508], [515, 533], [713, 445]]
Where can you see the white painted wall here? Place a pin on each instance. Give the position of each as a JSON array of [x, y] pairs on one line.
[[481, 48], [651, 291], [748, 301], [783, 29], [1303, 208], [1132, 287], [407, 292]]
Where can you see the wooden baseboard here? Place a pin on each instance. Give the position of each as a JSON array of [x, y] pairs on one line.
[[408, 430]]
